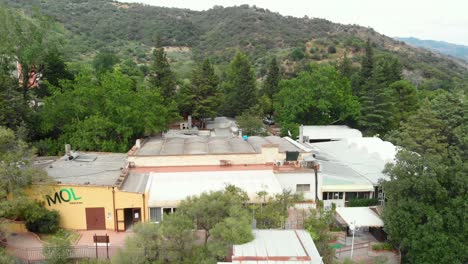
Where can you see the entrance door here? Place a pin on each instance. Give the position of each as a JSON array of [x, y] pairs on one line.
[[95, 218]]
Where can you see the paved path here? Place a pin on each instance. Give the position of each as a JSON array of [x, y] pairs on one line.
[[117, 239], [23, 240]]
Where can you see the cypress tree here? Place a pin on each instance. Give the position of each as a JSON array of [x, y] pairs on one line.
[[240, 87], [161, 76], [205, 93], [271, 84]]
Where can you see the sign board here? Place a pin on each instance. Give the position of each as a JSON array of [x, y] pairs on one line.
[[101, 239]]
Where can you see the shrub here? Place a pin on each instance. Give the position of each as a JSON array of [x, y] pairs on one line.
[[382, 246], [363, 202], [39, 219], [297, 54], [58, 251], [331, 49]]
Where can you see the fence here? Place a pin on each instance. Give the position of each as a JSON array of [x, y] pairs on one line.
[[36, 255]]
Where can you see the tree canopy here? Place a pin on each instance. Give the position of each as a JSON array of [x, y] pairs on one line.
[[318, 96]]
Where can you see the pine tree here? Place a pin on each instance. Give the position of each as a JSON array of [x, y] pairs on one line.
[[345, 67], [161, 76], [367, 64], [271, 84], [206, 97], [378, 108], [240, 87]]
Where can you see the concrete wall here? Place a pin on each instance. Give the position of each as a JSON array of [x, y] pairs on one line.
[[289, 181], [268, 155], [73, 212]]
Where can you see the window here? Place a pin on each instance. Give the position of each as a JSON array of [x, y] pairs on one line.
[[303, 188], [332, 195], [155, 214]]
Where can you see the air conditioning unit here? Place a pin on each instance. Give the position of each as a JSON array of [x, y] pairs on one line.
[[305, 139]]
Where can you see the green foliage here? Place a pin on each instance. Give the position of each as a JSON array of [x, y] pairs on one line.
[[16, 169], [5, 258], [161, 77], [143, 247], [202, 98], [405, 98], [105, 61], [222, 217], [273, 211], [38, 218], [427, 188], [105, 114], [318, 225], [251, 124], [297, 54], [58, 251], [378, 108], [271, 84], [382, 246], [240, 87], [318, 96], [363, 202]]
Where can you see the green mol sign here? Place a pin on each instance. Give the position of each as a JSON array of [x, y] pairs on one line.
[[64, 195]]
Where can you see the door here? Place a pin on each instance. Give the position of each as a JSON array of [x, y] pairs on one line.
[[95, 218], [120, 213]]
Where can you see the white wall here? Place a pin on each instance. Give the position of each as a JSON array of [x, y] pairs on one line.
[[268, 155], [289, 181]]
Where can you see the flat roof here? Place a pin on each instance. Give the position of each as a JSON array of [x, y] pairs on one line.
[[330, 132], [277, 246], [360, 216], [198, 145], [168, 189], [366, 156], [89, 168]]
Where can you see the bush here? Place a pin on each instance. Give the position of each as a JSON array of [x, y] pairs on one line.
[[331, 49], [39, 219], [58, 251], [297, 54], [363, 202], [382, 246]]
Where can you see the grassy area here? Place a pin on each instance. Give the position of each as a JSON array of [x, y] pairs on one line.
[[70, 235]]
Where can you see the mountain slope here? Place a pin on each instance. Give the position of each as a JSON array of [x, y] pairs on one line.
[[130, 30], [455, 50]]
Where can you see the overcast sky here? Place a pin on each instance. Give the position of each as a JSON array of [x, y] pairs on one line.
[[445, 20]]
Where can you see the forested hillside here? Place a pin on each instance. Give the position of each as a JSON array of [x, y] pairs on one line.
[[131, 30]]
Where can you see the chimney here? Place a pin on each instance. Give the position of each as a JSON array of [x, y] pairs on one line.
[[138, 143], [67, 149], [189, 121]]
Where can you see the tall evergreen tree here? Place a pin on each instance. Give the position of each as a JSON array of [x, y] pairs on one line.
[[206, 94], [240, 87], [345, 67], [405, 99], [367, 64], [161, 76], [271, 84], [376, 97]]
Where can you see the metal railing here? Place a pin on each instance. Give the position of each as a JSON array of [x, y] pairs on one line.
[[36, 254]]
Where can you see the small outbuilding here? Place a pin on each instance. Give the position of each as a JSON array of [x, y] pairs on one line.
[[277, 247]]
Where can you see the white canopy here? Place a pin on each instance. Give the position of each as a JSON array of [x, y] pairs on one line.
[[361, 216], [168, 189]]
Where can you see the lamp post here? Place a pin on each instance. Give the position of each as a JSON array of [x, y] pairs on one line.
[[352, 226]]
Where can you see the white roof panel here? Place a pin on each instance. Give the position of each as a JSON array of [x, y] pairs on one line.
[[362, 216], [168, 189], [330, 132], [278, 247]]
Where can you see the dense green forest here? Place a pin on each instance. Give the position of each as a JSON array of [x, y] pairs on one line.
[[111, 73]]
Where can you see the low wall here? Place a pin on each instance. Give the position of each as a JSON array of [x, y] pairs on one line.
[[15, 226]]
